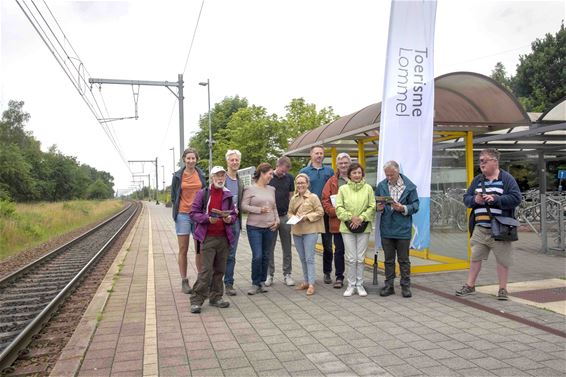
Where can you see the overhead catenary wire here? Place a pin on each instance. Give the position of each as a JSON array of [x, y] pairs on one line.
[[108, 128], [67, 62], [161, 145], [193, 38]]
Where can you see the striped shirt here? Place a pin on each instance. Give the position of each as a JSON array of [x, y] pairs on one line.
[[481, 215]]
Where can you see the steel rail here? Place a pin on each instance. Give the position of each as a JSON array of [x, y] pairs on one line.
[[13, 350]]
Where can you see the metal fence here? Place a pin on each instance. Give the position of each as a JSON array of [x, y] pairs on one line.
[[544, 215]]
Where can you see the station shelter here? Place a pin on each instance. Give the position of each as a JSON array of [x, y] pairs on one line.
[[470, 110]]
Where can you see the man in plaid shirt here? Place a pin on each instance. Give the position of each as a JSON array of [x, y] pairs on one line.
[[396, 225]]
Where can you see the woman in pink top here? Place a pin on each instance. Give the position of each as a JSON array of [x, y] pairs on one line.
[[259, 202]]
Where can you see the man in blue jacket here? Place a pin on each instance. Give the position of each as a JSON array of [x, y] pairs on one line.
[[396, 225], [319, 174], [498, 190]]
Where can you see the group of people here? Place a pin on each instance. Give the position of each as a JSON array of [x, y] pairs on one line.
[[340, 206]]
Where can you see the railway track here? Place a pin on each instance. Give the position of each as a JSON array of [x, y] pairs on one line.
[[30, 296]]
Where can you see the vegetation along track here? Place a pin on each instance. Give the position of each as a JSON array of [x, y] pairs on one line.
[[29, 296]]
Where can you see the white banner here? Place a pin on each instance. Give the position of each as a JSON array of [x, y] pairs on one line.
[[407, 109]]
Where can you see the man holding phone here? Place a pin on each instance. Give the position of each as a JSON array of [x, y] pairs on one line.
[[497, 189]]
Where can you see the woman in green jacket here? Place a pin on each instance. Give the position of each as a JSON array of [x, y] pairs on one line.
[[355, 207]]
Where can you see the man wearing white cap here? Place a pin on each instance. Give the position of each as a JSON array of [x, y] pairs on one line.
[[213, 212]]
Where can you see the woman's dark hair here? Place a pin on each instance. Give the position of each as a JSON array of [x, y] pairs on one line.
[[190, 150], [264, 167], [355, 166]]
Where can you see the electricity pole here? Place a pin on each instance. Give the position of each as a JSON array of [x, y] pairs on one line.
[[156, 176]]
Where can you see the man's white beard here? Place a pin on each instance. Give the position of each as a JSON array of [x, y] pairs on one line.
[[217, 185]]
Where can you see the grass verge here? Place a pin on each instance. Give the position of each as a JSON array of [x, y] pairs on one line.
[[25, 225]]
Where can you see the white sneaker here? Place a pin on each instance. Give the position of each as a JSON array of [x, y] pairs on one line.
[[269, 281], [288, 280], [361, 291], [349, 291]]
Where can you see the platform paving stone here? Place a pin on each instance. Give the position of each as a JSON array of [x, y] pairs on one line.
[[444, 371], [422, 362], [286, 333], [510, 372], [402, 370], [490, 363], [239, 362]]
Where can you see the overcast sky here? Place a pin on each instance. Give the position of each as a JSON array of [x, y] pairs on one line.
[[332, 53]]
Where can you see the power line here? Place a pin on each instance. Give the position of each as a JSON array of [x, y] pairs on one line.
[[193, 38], [184, 70], [67, 62]]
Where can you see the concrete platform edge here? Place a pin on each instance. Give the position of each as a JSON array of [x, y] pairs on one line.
[[71, 358]]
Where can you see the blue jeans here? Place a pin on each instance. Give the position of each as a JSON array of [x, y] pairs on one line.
[[231, 262], [260, 243], [305, 248]]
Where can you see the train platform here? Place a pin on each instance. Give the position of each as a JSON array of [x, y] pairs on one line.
[[139, 323]]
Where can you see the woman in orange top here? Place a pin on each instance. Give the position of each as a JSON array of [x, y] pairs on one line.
[[187, 181]]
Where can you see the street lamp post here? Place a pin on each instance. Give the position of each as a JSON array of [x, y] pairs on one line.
[[207, 84], [163, 175], [173, 149]]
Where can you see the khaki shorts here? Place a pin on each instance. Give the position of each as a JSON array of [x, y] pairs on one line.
[[482, 242]]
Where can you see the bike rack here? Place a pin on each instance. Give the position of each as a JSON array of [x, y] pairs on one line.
[[561, 222]]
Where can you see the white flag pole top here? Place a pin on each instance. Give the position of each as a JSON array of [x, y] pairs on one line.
[[407, 108]]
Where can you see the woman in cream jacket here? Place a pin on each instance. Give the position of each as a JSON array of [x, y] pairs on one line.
[[306, 207]]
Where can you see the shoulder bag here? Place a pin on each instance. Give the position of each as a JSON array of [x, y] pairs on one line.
[[359, 229], [502, 228]]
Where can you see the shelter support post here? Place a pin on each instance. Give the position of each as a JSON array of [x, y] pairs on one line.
[[469, 176], [333, 155], [361, 153], [542, 190]]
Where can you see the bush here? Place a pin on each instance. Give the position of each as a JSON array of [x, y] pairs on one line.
[[7, 208]]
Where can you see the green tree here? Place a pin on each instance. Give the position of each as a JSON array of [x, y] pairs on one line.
[[499, 74], [258, 135], [301, 117], [27, 173], [16, 181], [13, 123], [540, 80], [62, 175], [99, 190], [220, 115]]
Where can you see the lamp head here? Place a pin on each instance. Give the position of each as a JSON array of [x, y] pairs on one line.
[[203, 83]]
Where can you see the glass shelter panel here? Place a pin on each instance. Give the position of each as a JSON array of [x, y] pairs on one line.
[[448, 214]]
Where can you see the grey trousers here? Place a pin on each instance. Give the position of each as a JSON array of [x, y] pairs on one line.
[[209, 284], [393, 247], [285, 236]]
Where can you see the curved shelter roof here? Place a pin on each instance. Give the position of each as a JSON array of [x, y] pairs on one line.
[[547, 135], [464, 101], [557, 113]]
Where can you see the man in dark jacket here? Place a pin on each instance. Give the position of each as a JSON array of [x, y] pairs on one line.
[[396, 225], [498, 190], [213, 212]]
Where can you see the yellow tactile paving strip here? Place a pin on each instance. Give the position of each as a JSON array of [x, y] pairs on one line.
[[555, 306], [150, 362]]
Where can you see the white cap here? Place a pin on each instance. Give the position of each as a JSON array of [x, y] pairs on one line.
[[217, 169]]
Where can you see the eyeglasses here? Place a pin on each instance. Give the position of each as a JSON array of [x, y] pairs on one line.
[[301, 183], [485, 161]]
